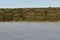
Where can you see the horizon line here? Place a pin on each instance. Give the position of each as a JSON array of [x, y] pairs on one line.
[[30, 7]]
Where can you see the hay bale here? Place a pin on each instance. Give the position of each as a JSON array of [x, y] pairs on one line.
[[17, 19]]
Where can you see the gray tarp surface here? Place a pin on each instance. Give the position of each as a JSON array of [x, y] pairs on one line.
[[29, 31]]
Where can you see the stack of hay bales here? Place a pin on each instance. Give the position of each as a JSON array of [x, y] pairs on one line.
[[58, 13], [18, 14], [51, 14], [1, 15], [35, 14], [40, 14], [29, 14], [7, 15]]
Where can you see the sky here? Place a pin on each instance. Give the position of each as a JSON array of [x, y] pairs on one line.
[[29, 3]]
